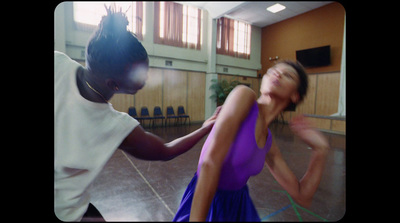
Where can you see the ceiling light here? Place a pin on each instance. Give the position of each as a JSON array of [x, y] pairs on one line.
[[276, 8]]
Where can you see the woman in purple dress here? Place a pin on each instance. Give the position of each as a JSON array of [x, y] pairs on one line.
[[239, 144]]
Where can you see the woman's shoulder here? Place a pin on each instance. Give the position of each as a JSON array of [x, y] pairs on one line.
[[240, 101], [244, 92]]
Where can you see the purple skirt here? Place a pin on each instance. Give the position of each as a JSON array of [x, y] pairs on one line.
[[227, 205]]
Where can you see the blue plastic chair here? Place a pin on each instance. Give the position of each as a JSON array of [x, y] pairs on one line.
[[182, 114], [132, 112], [171, 114], [144, 114], [157, 114]]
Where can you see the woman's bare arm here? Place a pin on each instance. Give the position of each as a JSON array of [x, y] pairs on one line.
[[301, 191], [234, 111]]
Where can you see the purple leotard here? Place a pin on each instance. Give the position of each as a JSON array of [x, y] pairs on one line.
[[232, 201], [244, 158]]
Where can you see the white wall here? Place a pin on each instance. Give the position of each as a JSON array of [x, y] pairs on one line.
[[72, 41]]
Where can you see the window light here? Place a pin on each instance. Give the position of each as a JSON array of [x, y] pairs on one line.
[[276, 8]]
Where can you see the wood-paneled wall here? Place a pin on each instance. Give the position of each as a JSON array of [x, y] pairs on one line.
[[322, 96], [167, 87], [329, 124], [196, 95], [320, 102], [319, 27]]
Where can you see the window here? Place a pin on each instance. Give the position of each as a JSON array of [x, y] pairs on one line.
[[87, 15], [233, 38], [177, 25], [191, 24]]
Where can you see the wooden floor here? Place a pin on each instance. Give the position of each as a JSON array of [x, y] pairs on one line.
[[129, 189]]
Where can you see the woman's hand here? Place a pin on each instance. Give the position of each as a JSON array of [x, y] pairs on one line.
[[302, 128]]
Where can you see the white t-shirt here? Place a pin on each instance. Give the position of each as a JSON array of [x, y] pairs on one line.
[[86, 134]]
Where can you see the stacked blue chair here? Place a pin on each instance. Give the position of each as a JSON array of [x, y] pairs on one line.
[[144, 115], [182, 114], [171, 114], [157, 114], [132, 112]]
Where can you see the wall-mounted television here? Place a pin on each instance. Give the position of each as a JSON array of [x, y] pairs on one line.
[[314, 57]]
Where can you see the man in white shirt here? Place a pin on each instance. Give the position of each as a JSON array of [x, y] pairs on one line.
[[87, 130]]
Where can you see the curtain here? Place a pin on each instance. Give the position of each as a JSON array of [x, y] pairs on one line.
[[168, 25], [231, 40], [192, 27], [342, 87], [139, 20], [225, 32]]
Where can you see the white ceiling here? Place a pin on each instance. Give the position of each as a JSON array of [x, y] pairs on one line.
[[255, 13]]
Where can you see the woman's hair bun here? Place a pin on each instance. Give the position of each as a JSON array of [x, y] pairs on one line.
[[112, 48], [114, 23]]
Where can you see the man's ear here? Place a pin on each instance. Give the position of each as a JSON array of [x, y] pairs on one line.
[[112, 84]]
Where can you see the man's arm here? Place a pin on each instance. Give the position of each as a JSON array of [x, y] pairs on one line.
[[301, 191], [147, 146]]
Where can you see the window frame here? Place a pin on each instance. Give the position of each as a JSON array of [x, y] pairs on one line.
[[228, 38], [139, 15], [171, 25]]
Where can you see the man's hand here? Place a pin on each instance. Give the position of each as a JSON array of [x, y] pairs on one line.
[[210, 122]]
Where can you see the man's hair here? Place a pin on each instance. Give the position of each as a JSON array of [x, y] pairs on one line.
[[112, 49]]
